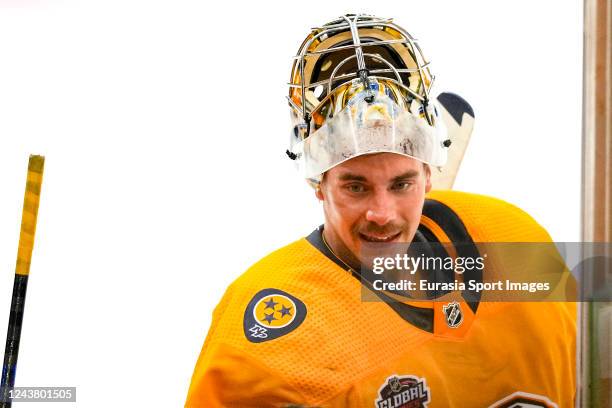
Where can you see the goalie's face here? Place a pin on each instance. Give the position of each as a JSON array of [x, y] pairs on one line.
[[372, 198]]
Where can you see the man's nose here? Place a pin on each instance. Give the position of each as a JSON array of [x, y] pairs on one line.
[[381, 208]]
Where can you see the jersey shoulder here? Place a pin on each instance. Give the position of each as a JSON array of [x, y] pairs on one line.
[[298, 268], [486, 219], [265, 327], [273, 294]]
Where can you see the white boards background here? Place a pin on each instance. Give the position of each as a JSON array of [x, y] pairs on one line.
[[164, 125]]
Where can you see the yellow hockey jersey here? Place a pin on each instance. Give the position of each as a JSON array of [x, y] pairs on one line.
[[293, 331]]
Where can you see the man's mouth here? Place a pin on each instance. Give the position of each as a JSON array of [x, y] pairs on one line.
[[379, 237]]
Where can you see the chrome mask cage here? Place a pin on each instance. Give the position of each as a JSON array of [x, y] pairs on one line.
[[398, 57]]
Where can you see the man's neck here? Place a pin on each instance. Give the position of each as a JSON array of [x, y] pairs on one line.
[[337, 247]]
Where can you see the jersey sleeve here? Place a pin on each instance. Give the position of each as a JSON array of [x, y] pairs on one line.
[[226, 376]]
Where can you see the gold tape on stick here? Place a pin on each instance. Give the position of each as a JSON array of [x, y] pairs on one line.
[[36, 166]]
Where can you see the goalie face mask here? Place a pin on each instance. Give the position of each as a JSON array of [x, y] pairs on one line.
[[356, 119], [360, 85]]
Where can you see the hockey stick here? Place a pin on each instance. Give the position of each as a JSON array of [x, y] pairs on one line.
[[458, 117], [31, 199]]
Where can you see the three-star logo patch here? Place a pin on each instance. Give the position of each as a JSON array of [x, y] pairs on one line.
[[272, 313]]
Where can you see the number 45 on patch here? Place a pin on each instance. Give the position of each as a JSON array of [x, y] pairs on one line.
[[258, 331]]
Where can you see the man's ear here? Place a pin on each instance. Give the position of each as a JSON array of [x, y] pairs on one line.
[[318, 188], [319, 193], [427, 178]]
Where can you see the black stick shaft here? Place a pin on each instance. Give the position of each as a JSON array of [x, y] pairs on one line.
[[11, 350]]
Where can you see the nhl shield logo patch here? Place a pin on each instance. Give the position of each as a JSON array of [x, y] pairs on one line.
[[405, 391], [453, 314], [272, 313]]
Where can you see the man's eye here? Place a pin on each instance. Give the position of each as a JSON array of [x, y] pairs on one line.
[[355, 188], [403, 185]]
